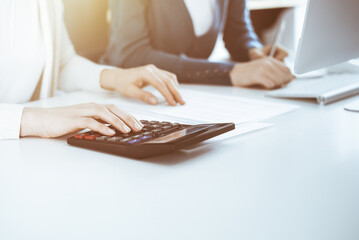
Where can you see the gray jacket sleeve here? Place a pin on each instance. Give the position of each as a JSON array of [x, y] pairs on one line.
[[238, 34], [130, 46]]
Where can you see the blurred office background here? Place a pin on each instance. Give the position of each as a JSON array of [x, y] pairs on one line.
[[88, 21]]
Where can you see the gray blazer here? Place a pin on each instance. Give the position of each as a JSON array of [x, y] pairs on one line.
[[161, 32]]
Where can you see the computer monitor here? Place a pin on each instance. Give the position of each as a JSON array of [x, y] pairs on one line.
[[330, 34]]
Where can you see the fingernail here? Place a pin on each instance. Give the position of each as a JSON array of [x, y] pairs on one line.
[[127, 129], [111, 132], [153, 100]]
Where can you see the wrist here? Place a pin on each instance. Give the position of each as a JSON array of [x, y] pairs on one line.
[[29, 120], [234, 72], [107, 79]]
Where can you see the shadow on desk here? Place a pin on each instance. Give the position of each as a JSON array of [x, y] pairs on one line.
[[181, 156], [178, 157], [169, 159]]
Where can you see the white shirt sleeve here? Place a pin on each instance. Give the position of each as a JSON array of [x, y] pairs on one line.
[[76, 72], [10, 120]]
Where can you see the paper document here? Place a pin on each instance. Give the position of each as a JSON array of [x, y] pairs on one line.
[[204, 107], [200, 108], [240, 130]]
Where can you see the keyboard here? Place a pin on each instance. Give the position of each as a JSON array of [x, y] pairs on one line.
[[324, 90], [156, 138]]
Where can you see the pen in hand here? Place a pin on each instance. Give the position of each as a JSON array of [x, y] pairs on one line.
[[277, 38]]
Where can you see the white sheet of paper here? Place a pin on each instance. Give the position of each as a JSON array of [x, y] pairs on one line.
[[203, 107], [143, 111], [240, 130]]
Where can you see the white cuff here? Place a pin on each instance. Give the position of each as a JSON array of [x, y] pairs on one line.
[[10, 120]]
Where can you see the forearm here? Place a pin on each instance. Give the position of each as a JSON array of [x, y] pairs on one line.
[[188, 70], [81, 74], [239, 35]]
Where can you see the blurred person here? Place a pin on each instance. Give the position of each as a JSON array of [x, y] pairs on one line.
[[180, 35], [37, 58]]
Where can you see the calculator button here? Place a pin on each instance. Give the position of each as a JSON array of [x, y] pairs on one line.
[[143, 121], [103, 138], [138, 136], [154, 122], [79, 136], [146, 137], [113, 139], [91, 137], [166, 127], [134, 141], [123, 141], [147, 133], [156, 131]]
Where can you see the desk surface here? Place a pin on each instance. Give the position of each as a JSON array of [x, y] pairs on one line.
[[297, 180]]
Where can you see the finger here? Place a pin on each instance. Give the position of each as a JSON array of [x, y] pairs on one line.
[[284, 70], [279, 67], [272, 73], [267, 49], [102, 113], [266, 81], [136, 92], [95, 126], [272, 81], [172, 84], [281, 54], [130, 121], [278, 78], [157, 82], [170, 75]]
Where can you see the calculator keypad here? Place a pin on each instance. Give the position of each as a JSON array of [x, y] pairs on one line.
[[150, 131]]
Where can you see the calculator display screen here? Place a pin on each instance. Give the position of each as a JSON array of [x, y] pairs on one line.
[[179, 134]]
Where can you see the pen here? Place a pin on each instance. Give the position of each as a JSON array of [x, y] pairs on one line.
[[277, 37]]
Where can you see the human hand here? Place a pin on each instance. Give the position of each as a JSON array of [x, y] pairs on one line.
[[258, 53], [55, 122], [129, 82], [266, 72]]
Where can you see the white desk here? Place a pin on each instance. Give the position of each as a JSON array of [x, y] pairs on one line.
[[297, 180]]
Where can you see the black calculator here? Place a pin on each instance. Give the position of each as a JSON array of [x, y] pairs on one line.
[[155, 138]]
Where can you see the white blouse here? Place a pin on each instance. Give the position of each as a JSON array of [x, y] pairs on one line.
[[22, 50], [202, 14], [34, 45]]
